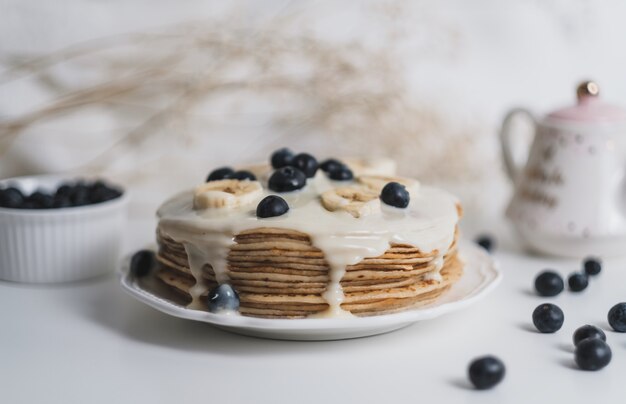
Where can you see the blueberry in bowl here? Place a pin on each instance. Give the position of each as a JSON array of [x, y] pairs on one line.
[[55, 229], [65, 195]]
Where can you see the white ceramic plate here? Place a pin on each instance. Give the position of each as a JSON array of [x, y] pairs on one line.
[[480, 276]]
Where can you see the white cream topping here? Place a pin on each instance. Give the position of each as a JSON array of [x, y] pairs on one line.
[[428, 223]]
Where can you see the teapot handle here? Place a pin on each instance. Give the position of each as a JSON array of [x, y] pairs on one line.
[[513, 159]]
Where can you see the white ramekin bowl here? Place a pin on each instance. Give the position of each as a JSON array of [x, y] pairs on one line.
[[59, 245]]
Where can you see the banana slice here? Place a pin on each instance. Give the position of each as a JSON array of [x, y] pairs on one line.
[[377, 182], [227, 194], [358, 201]]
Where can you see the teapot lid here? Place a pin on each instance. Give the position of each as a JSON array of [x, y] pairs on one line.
[[589, 108]]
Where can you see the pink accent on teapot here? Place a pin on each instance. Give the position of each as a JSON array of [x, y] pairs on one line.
[[590, 109]]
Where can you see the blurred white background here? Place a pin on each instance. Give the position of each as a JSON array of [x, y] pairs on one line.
[[450, 68]]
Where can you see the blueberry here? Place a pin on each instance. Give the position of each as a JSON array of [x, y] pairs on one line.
[[592, 354], [46, 201], [243, 175], [116, 192], [223, 297], [548, 318], [588, 331], [395, 194], [64, 190], [271, 206], [11, 198], [617, 317], [305, 163], [287, 179], [220, 174], [80, 194], [485, 242], [330, 165], [577, 282], [593, 266], [282, 158], [98, 184], [28, 204], [62, 201], [41, 200], [342, 173], [101, 194], [142, 263], [486, 372], [80, 186], [549, 283]]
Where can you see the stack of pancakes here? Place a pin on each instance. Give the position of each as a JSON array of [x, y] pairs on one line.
[[278, 273]]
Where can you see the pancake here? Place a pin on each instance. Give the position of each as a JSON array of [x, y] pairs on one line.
[[275, 285], [339, 249]]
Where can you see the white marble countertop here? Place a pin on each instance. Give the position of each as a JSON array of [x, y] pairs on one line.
[[90, 342]]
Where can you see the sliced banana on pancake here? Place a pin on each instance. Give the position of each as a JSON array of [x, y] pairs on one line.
[[227, 194], [377, 182], [358, 201]]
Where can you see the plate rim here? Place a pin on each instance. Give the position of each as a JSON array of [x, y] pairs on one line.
[[492, 279]]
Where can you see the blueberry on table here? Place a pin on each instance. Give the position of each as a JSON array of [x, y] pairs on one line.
[[342, 173], [548, 318], [220, 174], [588, 331], [593, 266], [577, 282], [549, 283], [282, 158], [486, 372], [395, 194], [272, 206], [305, 163], [485, 242], [11, 198], [287, 179], [617, 317], [243, 175], [592, 354], [142, 263], [223, 297], [330, 165]]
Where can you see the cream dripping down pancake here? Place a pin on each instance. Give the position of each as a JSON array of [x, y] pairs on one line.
[[338, 251]]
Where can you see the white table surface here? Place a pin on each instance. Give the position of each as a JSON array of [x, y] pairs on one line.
[[90, 342]]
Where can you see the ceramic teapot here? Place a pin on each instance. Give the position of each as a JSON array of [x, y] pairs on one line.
[[570, 184]]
